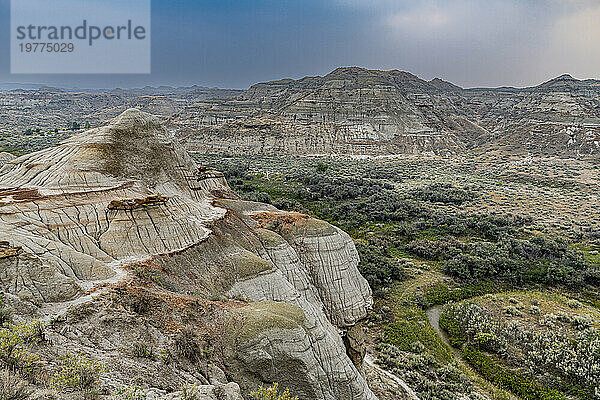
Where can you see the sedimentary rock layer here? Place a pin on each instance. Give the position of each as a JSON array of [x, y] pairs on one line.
[[116, 199]]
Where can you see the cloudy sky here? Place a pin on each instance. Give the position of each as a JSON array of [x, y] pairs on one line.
[[233, 44]]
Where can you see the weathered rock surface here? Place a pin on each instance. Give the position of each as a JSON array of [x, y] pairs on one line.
[[5, 157], [120, 235], [359, 111], [349, 111]]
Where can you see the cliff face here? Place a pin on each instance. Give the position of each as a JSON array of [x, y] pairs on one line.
[[359, 111], [349, 111], [117, 238]]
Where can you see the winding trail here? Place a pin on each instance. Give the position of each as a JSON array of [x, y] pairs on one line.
[[56, 310], [433, 315]]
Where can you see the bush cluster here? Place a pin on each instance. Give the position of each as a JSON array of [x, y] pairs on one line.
[[430, 379], [445, 193], [517, 383], [77, 372], [129, 393], [377, 266], [440, 293], [536, 260], [550, 349], [272, 392], [14, 354]]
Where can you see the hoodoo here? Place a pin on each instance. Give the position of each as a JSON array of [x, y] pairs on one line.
[[148, 264]]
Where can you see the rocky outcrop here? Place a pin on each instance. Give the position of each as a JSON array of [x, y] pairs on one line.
[[5, 157], [118, 220], [354, 111], [349, 111]]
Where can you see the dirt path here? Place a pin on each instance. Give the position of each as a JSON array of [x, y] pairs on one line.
[[56, 310], [433, 315]]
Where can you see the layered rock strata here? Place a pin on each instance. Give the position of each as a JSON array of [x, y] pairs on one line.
[[123, 204]]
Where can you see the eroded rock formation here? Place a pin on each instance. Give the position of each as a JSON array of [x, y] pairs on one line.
[[123, 239], [5, 157], [369, 112]]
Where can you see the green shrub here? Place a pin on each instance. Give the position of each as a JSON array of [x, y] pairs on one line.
[[429, 377], [582, 322], [142, 350], [190, 392], [31, 332], [512, 311], [129, 393], [322, 167], [568, 361], [257, 196], [574, 304], [272, 393], [538, 259], [440, 293], [534, 310], [513, 381], [563, 317], [434, 250], [452, 327], [445, 193], [187, 346], [485, 339], [77, 372], [13, 353], [377, 267]]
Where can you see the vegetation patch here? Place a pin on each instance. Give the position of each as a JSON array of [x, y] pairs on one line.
[[524, 387], [77, 372], [272, 392], [14, 352], [431, 233], [532, 335]]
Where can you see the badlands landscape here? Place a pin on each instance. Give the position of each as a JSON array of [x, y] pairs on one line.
[[362, 235]]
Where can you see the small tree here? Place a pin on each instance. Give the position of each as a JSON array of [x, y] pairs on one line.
[[322, 167]]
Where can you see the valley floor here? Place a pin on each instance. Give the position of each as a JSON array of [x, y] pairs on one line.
[[517, 241]]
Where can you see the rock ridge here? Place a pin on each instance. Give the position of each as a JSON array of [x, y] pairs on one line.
[[121, 212]]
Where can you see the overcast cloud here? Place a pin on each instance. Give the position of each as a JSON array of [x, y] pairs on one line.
[[230, 43]]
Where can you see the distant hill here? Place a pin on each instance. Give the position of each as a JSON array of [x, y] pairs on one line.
[[354, 110], [351, 110]]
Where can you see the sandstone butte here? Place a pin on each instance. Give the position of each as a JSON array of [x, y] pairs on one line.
[[138, 258]]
